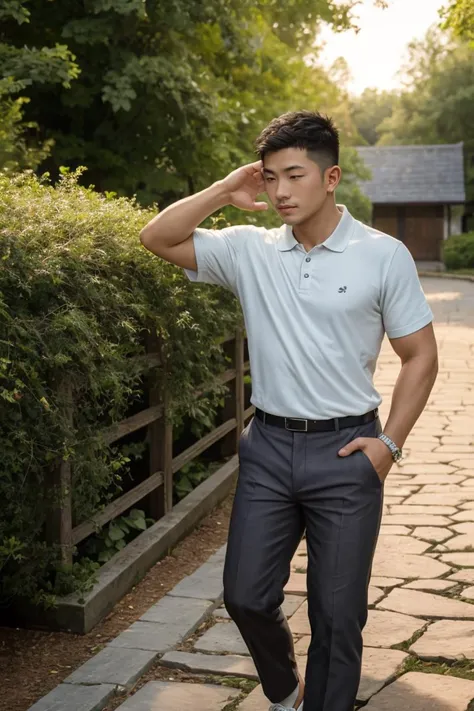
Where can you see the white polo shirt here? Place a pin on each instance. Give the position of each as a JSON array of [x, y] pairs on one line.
[[315, 320]]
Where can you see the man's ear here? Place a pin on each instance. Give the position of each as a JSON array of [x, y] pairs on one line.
[[333, 178]]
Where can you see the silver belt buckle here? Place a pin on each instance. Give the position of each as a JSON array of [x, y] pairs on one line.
[[297, 429]]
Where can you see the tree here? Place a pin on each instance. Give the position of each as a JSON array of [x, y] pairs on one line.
[[437, 103], [369, 110], [459, 17], [159, 98]]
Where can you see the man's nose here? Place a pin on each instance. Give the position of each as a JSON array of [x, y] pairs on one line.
[[282, 191]]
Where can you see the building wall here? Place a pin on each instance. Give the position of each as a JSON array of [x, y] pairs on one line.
[[420, 227]]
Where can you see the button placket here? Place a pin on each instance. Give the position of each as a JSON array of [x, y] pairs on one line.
[[306, 273]]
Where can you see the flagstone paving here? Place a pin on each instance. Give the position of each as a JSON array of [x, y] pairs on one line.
[[421, 596]]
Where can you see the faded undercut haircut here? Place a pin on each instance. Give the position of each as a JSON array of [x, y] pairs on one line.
[[308, 130]]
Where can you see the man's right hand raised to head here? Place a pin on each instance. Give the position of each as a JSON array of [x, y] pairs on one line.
[[170, 233], [244, 184]]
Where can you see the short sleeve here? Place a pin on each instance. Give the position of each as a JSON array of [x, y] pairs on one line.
[[217, 255], [405, 309]]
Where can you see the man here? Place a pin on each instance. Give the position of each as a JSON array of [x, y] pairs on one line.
[[318, 294]]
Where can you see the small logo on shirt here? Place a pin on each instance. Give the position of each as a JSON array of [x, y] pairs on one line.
[[342, 289]]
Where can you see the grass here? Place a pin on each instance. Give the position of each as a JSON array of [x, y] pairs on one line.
[[462, 668]]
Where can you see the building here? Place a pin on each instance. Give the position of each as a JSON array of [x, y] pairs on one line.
[[417, 193]]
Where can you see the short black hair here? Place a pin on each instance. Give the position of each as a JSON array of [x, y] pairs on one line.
[[308, 130]]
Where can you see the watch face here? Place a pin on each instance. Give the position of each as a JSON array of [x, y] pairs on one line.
[[397, 455]]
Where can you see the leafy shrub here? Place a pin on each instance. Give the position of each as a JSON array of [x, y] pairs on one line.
[[459, 251], [78, 297]]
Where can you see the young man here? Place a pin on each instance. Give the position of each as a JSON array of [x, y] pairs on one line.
[[318, 294]]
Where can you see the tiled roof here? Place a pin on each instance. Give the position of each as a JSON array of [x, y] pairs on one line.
[[414, 174]]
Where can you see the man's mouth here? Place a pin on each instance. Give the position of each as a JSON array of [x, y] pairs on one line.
[[286, 208]]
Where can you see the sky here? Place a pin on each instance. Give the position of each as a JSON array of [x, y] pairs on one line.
[[375, 54]]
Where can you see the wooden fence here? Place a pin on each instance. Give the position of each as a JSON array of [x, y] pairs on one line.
[[158, 486]]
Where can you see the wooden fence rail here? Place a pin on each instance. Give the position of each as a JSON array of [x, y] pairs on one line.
[[158, 486]]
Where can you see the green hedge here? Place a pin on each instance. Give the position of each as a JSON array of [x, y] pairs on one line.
[[459, 251], [78, 295]]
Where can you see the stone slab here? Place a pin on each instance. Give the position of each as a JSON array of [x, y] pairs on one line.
[[422, 604], [296, 585], [468, 593], [67, 697], [416, 519], [113, 666], [186, 613], [223, 638], [462, 559], [149, 635], [255, 701], [178, 696], [465, 575], [408, 565], [205, 583], [226, 665], [379, 666], [432, 533], [430, 585], [434, 499], [446, 640], [384, 629], [416, 691], [466, 515], [466, 527], [464, 541], [385, 582], [387, 530], [299, 622], [395, 545], [426, 510]]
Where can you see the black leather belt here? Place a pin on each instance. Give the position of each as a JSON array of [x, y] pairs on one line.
[[298, 424]]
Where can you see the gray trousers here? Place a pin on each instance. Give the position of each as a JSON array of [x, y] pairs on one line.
[[288, 483]]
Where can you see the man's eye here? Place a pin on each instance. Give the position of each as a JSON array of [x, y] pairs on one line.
[[268, 179], [293, 177]]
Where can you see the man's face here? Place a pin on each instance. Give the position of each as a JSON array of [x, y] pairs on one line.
[[295, 184]]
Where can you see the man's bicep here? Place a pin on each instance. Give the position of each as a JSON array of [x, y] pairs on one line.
[[419, 343], [183, 255]]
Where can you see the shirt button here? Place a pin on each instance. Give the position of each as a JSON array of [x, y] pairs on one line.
[[306, 276], [308, 259]]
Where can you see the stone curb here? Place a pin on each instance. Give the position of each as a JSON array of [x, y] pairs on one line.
[[129, 656], [447, 275]]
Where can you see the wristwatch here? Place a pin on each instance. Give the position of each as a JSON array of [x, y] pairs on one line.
[[396, 451]]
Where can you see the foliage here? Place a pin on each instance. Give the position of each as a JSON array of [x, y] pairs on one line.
[[18, 147], [78, 297], [437, 102], [369, 110], [159, 99], [190, 476], [116, 535], [458, 251], [459, 17]]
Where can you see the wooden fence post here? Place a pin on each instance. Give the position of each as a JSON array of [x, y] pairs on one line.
[[58, 524], [160, 438]]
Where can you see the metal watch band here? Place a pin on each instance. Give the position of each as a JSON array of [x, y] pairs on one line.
[[396, 451]]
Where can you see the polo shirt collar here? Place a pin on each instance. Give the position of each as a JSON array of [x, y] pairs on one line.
[[336, 242]]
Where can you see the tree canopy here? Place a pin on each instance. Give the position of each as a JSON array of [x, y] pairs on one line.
[[159, 97]]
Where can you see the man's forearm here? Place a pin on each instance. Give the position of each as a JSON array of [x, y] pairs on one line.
[[178, 221], [410, 395]]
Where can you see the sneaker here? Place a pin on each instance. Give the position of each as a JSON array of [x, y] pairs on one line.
[[279, 707]]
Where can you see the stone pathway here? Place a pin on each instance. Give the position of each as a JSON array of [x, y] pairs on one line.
[[422, 587]]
